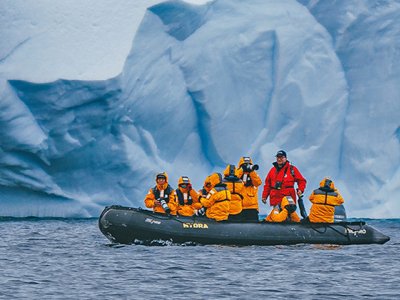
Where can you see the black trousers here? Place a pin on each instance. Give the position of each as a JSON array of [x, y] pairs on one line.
[[249, 215]]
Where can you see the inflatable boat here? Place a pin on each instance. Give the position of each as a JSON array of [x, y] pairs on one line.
[[127, 225]]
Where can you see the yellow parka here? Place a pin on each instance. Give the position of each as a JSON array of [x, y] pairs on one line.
[[205, 190], [218, 199], [164, 191], [251, 182], [186, 197], [282, 214], [236, 187], [324, 199]]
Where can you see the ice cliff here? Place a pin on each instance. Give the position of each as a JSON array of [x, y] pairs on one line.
[[201, 86]]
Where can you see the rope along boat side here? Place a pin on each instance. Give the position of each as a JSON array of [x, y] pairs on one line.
[[127, 225]]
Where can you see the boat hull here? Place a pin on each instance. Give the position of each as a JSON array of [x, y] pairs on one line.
[[130, 225]]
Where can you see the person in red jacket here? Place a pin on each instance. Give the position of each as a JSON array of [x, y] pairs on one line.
[[280, 181]]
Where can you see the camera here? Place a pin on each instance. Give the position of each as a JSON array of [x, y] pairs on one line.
[[253, 167], [164, 205], [249, 167], [278, 185]]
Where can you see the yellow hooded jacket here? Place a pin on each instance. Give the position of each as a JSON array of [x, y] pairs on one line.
[[164, 191], [324, 199], [186, 198], [251, 182], [236, 187], [218, 199], [281, 214]]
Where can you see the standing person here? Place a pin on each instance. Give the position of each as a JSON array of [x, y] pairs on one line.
[[161, 198], [187, 197], [235, 186], [251, 180], [324, 201], [280, 181], [217, 201]]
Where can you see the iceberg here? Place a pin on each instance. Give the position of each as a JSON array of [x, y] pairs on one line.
[[202, 85]]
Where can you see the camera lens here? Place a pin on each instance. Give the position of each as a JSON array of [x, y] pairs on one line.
[[165, 206]]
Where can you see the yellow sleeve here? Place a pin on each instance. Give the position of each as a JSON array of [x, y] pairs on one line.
[[209, 200], [339, 199], [149, 199], [172, 202], [196, 199], [295, 217], [195, 196], [312, 197], [276, 216], [255, 178]]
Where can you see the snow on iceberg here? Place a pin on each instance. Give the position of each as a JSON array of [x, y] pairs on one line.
[[366, 37], [202, 86]]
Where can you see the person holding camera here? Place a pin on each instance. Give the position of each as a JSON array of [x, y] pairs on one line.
[[280, 181], [247, 172], [161, 198], [235, 186], [285, 212], [187, 198]]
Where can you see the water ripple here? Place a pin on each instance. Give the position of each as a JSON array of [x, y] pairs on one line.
[[71, 259]]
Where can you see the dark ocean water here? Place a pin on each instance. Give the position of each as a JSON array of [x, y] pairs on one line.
[[71, 259]]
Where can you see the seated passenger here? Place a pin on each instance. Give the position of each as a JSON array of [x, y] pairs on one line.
[[161, 198], [187, 198], [203, 194], [286, 212], [324, 200], [236, 187], [206, 188], [251, 180], [217, 201]]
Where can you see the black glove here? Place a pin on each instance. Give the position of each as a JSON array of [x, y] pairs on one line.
[[291, 208], [247, 168], [200, 212]]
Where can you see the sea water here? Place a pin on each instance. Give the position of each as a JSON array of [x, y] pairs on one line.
[[71, 259]]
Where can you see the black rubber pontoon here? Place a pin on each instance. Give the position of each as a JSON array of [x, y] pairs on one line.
[[131, 225]]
